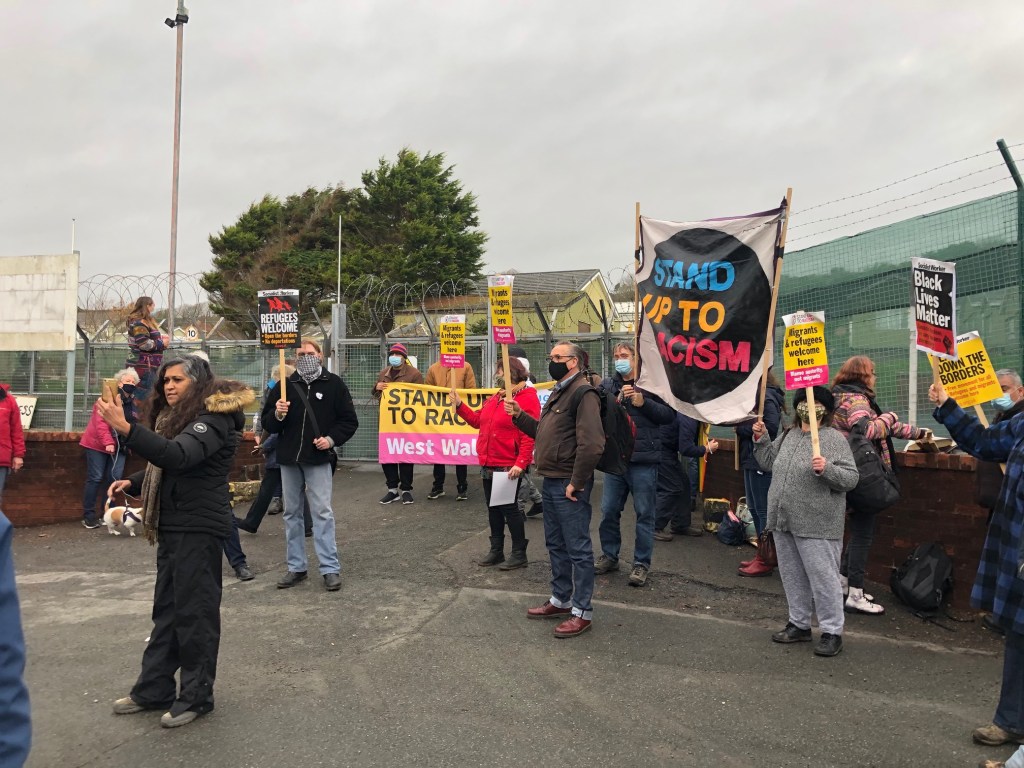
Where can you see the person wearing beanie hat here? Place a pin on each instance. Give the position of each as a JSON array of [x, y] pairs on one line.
[[460, 378], [398, 371], [854, 392], [805, 515]]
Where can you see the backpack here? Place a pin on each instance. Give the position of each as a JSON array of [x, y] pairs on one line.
[[924, 580], [619, 430], [732, 530], [878, 487]]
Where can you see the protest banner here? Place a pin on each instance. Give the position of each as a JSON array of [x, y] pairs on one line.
[[803, 350], [970, 378], [417, 425], [278, 311], [934, 284], [499, 294], [806, 361], [451, 332], [27, 409], [706, 289]]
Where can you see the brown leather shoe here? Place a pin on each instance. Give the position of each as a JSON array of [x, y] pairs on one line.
[[572, 627], [547, 611]]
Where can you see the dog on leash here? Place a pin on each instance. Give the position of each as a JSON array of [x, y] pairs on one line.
[[125, 517]]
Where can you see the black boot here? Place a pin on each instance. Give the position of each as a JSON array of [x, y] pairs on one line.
[[517, 559], [497, 553]]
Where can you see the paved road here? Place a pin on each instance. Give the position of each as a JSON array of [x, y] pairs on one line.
[[425, 659]]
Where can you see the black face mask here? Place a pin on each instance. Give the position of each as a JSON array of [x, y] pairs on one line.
[[557, 370], [128, 389]]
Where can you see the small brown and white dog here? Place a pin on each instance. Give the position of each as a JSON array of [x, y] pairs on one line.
[[126, 517]]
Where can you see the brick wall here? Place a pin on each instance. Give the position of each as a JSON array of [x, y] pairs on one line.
[[937, 504], [49, 489]]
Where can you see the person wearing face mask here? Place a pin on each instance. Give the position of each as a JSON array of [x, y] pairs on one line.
[[806, 506], [317, 418], [569, 441], [502, 449], [459, 378], [648, 413], [854, 392], [398, 371], [104, 450]]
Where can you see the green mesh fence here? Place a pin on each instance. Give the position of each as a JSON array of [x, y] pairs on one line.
[[862, 283]]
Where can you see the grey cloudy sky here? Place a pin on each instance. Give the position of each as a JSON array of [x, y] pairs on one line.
[[557, 114]]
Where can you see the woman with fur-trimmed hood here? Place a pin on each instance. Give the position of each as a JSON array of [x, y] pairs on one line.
[[189, 433]]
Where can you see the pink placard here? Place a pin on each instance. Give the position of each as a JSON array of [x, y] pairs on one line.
[[503, 334], [398, 448], [807, 377], [453, 361]]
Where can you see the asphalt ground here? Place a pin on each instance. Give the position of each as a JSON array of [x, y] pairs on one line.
[[423, 658]]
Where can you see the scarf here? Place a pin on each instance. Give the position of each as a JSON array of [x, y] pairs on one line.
[[151, 481], [309, 368]]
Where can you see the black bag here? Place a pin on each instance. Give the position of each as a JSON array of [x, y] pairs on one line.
[[878, 487], [924, 580], [619, 431]]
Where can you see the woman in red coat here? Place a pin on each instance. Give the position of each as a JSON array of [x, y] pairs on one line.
[[502, 448], [12, 442]]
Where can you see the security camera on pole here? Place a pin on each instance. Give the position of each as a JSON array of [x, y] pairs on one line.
[[178, 24]]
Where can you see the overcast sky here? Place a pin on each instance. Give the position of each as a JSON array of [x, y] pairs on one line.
[[558, 115]]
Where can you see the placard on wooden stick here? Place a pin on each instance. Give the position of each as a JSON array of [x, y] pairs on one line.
[[279, 324]]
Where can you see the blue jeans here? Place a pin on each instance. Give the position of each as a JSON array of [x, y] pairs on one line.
[[567, 536], [315, 479], [3, 481], [101, 469], [642, 481], [232, 546], [756, 487], [1010, 711], [692, 466]]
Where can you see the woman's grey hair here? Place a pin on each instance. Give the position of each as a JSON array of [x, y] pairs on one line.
[[127, 372], [196, 368], [1011, 374]]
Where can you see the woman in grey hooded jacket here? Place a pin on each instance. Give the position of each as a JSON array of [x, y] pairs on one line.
[[806, 511]]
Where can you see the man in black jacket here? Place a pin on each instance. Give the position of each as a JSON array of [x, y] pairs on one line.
[[317, 418]]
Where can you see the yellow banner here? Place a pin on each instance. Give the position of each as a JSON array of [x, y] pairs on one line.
[[971, 378]]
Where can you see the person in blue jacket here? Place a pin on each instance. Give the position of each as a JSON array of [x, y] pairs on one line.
[[755, 480], [648, 413], [675, 494], [15, 722]]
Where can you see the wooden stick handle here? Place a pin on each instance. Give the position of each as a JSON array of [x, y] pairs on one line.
[[508, 373], [769, 341], [813, 419], [281, 373]]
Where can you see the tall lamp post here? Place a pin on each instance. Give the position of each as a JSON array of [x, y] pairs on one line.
[[177, 24]]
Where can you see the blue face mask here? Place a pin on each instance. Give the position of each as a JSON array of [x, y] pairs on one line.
[[622, 367], [1003, 403], [395, 360]]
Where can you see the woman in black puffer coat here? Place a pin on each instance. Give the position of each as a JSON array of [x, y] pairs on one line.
[[192, 429]]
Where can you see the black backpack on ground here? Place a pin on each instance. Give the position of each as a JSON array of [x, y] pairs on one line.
[[878, 487], [619, 430], [924, 580]]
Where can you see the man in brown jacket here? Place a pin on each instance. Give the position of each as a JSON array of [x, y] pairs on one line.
[[569, 443], [398, 371], [460, 378]]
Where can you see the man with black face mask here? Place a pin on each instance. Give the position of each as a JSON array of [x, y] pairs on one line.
[[569, 442], [317, 417]]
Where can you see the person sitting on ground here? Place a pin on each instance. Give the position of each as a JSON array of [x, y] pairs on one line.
[[649, 413], [459, 378], [805, 513], [503, 449], [999, 585]]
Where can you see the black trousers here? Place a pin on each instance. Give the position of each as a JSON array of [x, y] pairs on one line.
[[398, 476], [461, 483], [510, 514], [854, 561], [186, 625], [673, 503]]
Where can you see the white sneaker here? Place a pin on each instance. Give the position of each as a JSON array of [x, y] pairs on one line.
[[858, 602], [844, 581]]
